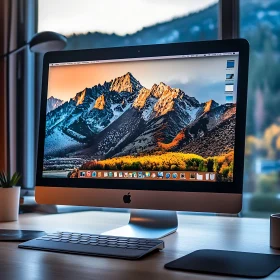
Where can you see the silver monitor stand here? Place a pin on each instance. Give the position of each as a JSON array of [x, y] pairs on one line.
[[148, 224]]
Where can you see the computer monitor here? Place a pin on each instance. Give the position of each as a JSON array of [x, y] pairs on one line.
[[145, 127]]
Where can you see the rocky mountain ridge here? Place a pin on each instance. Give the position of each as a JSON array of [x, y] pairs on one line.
[[122, 117]]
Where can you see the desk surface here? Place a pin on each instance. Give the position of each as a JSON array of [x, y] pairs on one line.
[[195, 232]]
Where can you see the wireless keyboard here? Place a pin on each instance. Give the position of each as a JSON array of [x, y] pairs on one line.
[[94, 245]]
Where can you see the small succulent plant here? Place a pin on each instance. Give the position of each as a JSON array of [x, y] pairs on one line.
[[7, 181]]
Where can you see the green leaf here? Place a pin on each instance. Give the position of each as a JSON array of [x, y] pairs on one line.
[[7, 182]]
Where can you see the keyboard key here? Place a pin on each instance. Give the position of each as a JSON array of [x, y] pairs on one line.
[[45, 238], [133, 240], [83, 242], [132, 245]]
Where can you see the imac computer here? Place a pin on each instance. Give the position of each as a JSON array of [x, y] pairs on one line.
[[155, 127]]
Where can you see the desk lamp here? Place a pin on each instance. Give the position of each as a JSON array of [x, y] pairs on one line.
[[42, 42]]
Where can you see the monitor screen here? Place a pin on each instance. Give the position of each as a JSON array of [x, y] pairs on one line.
[[160, 118]]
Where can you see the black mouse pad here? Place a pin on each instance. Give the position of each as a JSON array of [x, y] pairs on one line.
[[251, 265], [19, 235]]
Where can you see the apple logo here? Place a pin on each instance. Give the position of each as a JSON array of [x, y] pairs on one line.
[[127, 198]]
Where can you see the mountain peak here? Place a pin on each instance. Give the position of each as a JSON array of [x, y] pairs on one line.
[[166, 99], [158, 90], [126, 82], [140, 100], [53, 103], [129, 74], [211, 104], [100, 103], [80, 97]]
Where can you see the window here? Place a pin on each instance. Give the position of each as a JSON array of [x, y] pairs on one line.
[[260, 25], [108, 23]]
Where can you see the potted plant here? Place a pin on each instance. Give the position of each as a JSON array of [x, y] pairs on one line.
[[9, 197]]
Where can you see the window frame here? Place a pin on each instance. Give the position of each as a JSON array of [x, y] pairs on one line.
[[229, 18]]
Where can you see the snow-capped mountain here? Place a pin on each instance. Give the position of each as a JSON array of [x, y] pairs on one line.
[[93, 109], [121, 117], [53, 103], [90, 111], [156, 114]]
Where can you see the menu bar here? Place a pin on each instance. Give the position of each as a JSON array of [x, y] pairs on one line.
[[149, 175], [142, 58]]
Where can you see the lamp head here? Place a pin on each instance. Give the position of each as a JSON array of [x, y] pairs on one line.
[[47, 41]]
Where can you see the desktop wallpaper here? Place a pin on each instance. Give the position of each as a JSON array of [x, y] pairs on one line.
[[153, 115]]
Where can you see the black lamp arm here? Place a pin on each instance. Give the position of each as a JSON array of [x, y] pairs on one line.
[[14, 51]]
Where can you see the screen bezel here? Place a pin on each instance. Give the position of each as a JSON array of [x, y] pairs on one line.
[[203, 47]]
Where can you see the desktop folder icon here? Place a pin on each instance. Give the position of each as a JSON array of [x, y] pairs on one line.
[[230, 63], [199, 176]]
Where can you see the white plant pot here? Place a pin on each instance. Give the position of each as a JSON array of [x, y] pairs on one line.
[[9, 204]]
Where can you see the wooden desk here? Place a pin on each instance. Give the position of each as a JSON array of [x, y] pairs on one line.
[[195, 232]]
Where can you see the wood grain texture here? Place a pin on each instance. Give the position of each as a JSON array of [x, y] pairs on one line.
[[194, 233]]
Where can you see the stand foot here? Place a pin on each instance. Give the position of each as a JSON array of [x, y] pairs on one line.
[[148, 224]]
